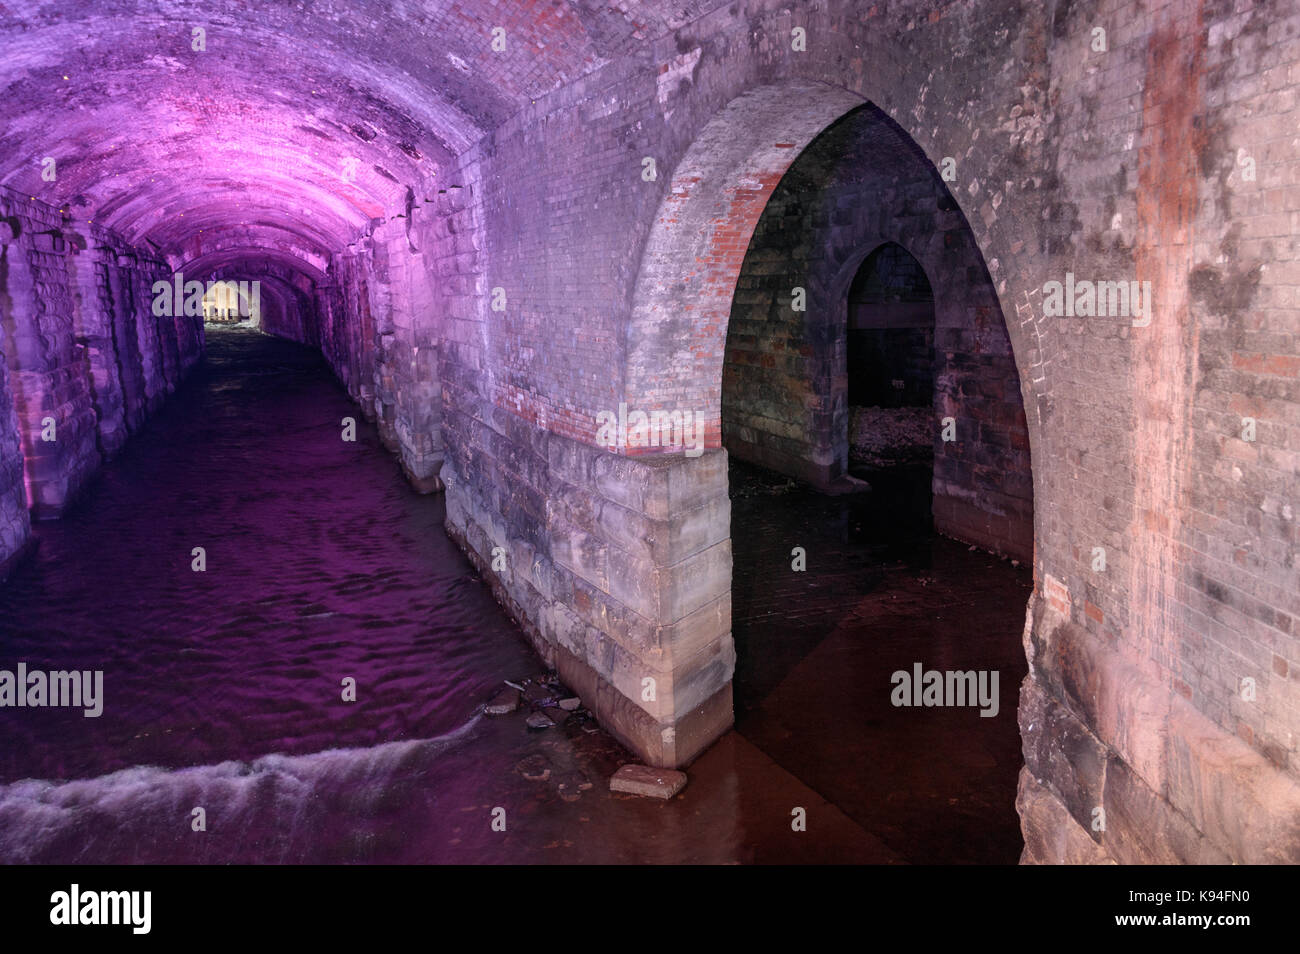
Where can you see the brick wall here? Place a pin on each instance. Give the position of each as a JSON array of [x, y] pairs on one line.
[[15, 521], [1195, 608], [85, 358], [1115, 165], [375, 321]]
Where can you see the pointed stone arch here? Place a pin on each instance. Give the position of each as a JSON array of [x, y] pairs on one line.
[[675, 340]]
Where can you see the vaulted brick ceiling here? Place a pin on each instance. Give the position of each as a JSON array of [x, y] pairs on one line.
[[299, 122]]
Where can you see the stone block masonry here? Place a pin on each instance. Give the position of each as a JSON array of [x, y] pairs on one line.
[[15, 521], [85, 359], [618, 568], [619, 290], [375, 328]]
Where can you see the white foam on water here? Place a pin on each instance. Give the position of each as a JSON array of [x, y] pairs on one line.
[[36, 814]]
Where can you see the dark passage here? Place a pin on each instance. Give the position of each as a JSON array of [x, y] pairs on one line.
[[815, 651]]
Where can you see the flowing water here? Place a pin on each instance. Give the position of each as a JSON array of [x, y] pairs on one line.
[[223, 690], [320, 565]]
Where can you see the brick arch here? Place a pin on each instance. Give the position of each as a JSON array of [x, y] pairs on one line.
[[916, 210], [929, 257], [674, 348], [847, 270], [837, 307], [682, 299], [675, 340], [824, 323]]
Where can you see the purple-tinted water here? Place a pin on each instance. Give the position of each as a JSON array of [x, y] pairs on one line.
[[321, 565], [223, 688]]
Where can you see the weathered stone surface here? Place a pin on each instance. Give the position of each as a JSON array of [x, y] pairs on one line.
[[540, 719], [616, 610], [503, 703], [1173, 785], [86, 360], [644, 780], [1141, 828], [1058, 746], [1052, 837]]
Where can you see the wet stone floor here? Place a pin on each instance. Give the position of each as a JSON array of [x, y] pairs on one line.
[[223, 689]]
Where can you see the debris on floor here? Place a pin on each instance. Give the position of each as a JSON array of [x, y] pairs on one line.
[[503, 703], [539, 720], [548, 702], [535, 768], [646, 780]]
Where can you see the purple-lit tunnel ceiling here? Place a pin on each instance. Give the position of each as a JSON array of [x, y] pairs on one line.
[[295, 127]]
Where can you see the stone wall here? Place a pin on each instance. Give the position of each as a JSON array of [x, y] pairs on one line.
[[1172, 664], [47, 364], [618, 568], [15, 521], [85, 359], [1117, 163], [376, 326], [344, 324]]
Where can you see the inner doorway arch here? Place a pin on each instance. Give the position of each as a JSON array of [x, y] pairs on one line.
[[675, 340]]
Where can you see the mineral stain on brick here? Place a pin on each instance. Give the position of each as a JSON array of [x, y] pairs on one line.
[[1165, 352]]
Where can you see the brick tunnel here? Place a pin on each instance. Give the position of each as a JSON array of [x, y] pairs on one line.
[[706, 365]]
